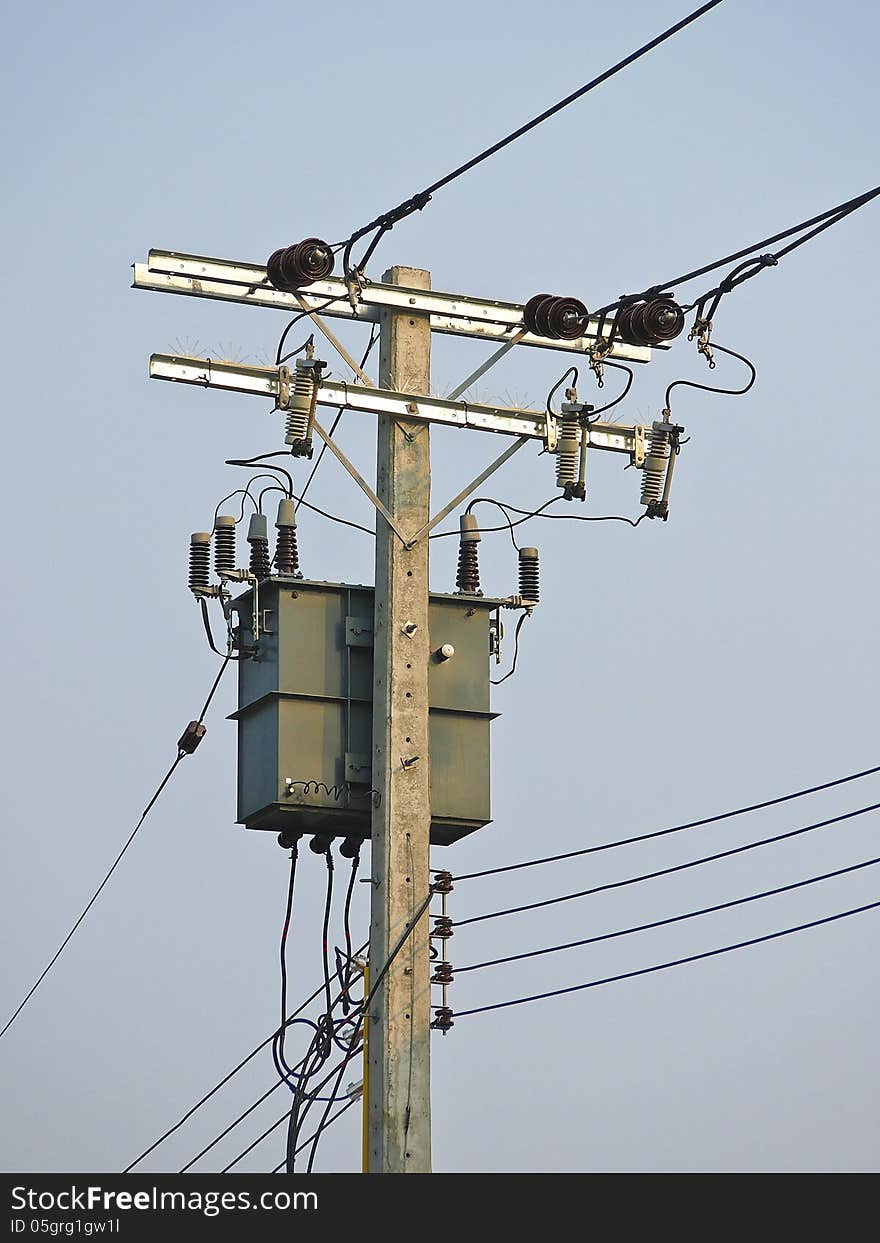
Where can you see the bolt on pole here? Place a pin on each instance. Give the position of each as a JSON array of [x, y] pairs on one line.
[[400, 1017]]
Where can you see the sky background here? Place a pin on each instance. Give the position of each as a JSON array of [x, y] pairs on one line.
[[671, 672]]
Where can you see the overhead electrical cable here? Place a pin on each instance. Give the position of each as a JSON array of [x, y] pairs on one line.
[[417, 202], [676, 828], [323, 1127], [672, 919], [227, 1077], [824, 220], [298, 1073], [278, 1043], [665, 966], [186, 746], [669, 871]]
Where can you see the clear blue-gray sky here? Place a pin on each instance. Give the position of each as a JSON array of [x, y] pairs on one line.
[[670, 672]]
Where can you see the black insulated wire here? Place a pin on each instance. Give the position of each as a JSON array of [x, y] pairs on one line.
[[278, 1043], [677, 828], [181, 754], [672, 919], [512, 670], [382, 224], [539, 513], [710, 388], [670, 871], [363, 1009], [292, 1018], [675, 962], [824, 220], [630, 374]]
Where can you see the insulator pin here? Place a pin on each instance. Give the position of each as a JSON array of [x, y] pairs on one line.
[[443, 973], [443, 1019], [442, 929], [224, 545], [199, 562], [529, 575]]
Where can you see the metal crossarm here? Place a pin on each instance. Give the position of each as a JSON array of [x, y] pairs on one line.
[[167, 271], [263, 382]]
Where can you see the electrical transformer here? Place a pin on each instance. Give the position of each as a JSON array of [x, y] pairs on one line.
[[305, 709]]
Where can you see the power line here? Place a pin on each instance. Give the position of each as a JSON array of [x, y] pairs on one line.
[[672, 919], [418, 201], [323, 1127], [665, 966], [277, 1123], [831, 216], [675, 962], [512, 670], [678, 867], [362, 1009], [281, 1066], [677, 828], [295, 1120], [188, 743], [226, 1078], [353, 1048], [538, 513]]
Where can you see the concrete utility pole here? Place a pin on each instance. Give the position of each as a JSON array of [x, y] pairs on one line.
[[400, 1018], [398, 1026]]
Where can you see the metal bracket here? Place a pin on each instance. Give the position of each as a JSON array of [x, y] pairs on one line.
[[551, 433], [283, 399], [358, 768], [639, 446], [359, 632]]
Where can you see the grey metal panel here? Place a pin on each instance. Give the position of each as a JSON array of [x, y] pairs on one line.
[[257, 760], [463, 681], [459, 767]]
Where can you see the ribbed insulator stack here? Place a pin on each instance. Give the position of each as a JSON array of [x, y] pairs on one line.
[[298, 411], [568, 450], [529, 575], [467, 579], [656, 460], [199, 562], [286, 551], [258, 538], [224, 545]]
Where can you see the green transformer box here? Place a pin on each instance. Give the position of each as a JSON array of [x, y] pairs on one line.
[[305, 710]]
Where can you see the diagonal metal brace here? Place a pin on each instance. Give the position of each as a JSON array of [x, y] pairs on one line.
[[360, 481], [334, 341], [484, 367], [465, 492]]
